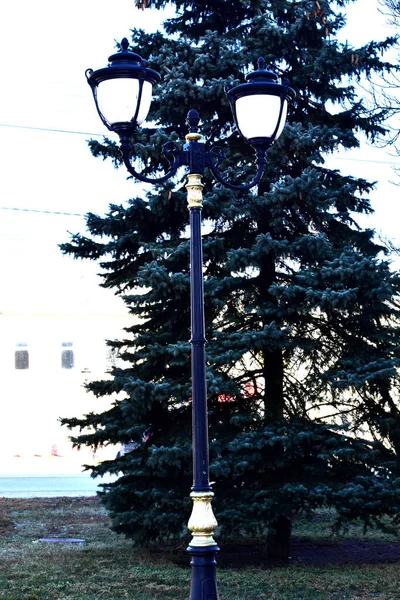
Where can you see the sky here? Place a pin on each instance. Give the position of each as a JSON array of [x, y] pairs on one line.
[[46, 47], [49, 179]]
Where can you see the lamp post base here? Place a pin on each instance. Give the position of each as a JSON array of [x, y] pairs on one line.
[[204, 573], [202, 548]]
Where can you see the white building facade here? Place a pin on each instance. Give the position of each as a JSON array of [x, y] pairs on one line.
[[45, 360]]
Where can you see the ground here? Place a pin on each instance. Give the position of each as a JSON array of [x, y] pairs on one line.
[[305, 551]]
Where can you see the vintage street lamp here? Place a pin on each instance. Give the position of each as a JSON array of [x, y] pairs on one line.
[[122, 92]]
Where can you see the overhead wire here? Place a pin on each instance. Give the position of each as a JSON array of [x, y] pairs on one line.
[[72, 132], [69, 131], [51, 129], [46, 212]]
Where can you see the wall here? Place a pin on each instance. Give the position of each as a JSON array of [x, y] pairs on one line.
[[33, 399]]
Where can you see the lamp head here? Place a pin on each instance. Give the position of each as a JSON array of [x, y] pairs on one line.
[[122, 91], [259, 107]]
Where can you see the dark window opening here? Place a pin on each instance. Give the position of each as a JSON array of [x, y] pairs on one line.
[[67, 356], [21, 359]]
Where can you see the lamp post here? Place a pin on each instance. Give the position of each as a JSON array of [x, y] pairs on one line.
[[122, 92]]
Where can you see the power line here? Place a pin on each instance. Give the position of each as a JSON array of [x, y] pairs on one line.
[[63, 314], [50, 129], [366, 160], [45, 212]]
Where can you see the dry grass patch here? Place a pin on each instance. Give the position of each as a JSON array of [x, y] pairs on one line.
[[109, 567], [6, 522], [58, 517]]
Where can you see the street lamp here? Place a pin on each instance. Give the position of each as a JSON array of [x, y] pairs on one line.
[[122, 92]]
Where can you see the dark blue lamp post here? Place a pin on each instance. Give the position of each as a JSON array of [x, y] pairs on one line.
[[122, 92]]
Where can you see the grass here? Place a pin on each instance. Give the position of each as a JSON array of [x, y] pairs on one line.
[[319, 527], [108, 567]]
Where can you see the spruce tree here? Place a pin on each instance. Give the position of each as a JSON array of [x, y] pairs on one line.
[[300, 304], [392, 9]]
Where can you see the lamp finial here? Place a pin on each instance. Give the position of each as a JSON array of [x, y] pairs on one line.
[[193, 120], [261, 63], [124, 44]]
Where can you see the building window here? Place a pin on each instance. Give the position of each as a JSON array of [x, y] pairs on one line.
[[67, 356], [21, 357]]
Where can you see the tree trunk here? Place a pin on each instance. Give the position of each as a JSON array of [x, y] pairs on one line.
[[280, 530], [278, 538], [394, 436]]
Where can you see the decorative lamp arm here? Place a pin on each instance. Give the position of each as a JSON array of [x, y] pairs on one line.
[[217, 155], [172, 153]]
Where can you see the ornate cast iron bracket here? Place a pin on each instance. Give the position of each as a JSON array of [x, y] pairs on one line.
[[194, 156]]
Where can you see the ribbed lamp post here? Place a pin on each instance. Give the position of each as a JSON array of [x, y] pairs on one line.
[[122, 92]]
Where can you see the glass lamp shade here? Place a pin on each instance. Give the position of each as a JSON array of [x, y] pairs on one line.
[[260, 106], [124, 100], [122, 91], [257, 116]]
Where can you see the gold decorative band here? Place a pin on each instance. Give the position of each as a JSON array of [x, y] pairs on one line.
[[195, 191], [193, 137], [202, 522]]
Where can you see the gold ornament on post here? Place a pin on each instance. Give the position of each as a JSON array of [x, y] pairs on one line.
[[202, 522], [195, 191]]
